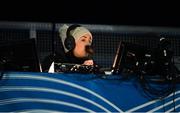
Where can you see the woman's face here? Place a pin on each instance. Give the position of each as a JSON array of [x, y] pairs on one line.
[[80, 48]]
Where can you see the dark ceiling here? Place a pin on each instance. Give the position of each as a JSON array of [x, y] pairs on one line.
[[120, 13]]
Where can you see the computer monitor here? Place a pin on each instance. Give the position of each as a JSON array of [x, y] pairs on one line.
[[19, 56], [137, 58]]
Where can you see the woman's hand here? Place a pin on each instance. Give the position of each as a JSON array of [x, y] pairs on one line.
[[88, 62]]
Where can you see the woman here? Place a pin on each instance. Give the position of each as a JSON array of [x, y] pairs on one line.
[[76, 42]]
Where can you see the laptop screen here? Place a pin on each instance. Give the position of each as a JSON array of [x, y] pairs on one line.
[[127, 55], [19, 56]]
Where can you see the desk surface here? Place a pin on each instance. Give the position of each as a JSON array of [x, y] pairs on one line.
[[35, 92]]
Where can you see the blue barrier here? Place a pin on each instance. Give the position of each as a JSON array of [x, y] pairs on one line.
[[44, 92]]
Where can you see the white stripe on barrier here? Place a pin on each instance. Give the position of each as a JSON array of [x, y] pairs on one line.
[[164, 105], [149, 103], [49, 101], [38, 111], [171, 110], [49, 90]]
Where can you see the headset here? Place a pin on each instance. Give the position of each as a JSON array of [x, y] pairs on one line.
[[70, 40]]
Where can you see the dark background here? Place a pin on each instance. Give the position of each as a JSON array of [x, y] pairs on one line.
[[138, 13], [133, 13]]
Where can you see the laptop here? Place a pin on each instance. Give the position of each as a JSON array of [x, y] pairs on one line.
[[127, 56], [19, 55]]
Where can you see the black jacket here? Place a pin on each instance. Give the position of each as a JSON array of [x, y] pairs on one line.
[[61, 58]]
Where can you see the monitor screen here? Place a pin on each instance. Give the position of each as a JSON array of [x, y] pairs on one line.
[[138, 58], [19, 56]]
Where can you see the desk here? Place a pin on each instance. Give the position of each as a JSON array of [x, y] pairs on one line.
[[44, 92]]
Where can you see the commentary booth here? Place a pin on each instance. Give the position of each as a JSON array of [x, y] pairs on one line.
[[149, 82]]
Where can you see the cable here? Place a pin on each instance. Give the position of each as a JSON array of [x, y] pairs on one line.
[[158, 86], [174, 83], [155, 90], [2, 74], [2, 68]]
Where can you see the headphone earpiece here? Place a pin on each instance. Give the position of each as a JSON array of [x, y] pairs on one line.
[[70, 41]]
